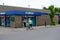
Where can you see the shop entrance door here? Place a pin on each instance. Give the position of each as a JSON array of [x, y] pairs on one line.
[[7, 21], [33, 18]]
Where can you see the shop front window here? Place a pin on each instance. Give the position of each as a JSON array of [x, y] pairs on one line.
[[2, 20]]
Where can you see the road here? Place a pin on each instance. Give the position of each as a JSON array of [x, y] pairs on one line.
[[36, 34]]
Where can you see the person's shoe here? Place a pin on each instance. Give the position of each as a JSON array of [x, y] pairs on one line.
[[31, 28], [27, 28]]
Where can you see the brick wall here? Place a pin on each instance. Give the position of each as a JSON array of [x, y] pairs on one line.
[[17, 22], [12, 24], [40, 20]]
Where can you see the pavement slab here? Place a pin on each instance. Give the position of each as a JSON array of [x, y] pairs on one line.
[[52, 33]]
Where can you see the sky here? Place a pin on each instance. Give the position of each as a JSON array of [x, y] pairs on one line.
[[38, 4]]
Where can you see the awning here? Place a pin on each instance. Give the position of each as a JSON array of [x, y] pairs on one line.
[[21, 12]]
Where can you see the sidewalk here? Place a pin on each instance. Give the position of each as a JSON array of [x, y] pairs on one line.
[[35, 27], [6, 30]]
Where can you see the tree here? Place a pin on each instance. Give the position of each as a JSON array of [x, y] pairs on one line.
[[59, 10], [44, 8], [53, 11]]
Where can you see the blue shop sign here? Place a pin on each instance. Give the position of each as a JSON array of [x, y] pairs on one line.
[[2, 13], [22, 12]]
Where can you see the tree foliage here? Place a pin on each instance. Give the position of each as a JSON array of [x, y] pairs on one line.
[[59, 10], [53, 11], [44, 8]]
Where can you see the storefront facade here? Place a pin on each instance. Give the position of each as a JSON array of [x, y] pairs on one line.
[[15, 17]]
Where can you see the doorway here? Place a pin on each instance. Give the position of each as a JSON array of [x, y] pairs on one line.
[[7, 21], [33, 18]]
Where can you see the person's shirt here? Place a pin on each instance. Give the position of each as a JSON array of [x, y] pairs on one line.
[[27, 24], [30, 21]]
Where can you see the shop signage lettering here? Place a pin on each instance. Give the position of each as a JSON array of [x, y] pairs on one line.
[[2, 13], [29, 13]]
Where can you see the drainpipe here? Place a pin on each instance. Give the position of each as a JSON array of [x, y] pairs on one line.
[[45, 21]]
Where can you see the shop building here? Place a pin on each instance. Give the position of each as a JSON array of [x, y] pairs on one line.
[[14, 16]]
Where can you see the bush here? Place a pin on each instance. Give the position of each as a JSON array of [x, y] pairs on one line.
[[53, 23]]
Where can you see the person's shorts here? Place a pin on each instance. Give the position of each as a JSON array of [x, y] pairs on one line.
[[24, 25], [30, 25]]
